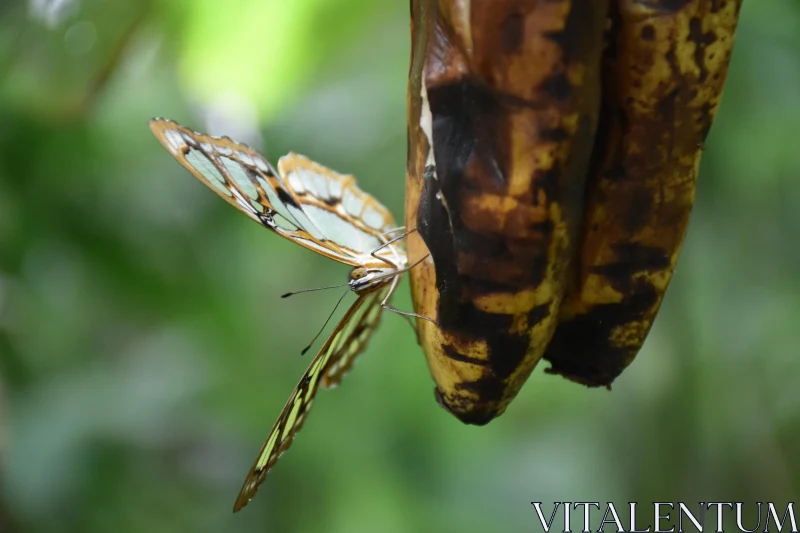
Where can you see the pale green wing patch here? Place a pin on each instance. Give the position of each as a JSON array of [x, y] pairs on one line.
[[353, 204], [240, 177], [372, 218], [343, 232], [209, 171]]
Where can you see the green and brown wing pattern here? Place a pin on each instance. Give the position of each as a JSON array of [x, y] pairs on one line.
[[336, 356], [303, 201]]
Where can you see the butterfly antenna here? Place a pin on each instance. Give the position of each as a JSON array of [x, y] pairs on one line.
[[311, 290], [326, 323]]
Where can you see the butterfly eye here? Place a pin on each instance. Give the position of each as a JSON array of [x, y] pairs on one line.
[[358, 273]]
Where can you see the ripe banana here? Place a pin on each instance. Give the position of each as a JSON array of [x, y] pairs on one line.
[[503, 103], [664, 69]]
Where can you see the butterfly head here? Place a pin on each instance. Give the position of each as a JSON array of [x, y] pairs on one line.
[[363, 277]]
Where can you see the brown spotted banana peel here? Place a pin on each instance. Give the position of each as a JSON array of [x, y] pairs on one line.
[[503, 103], [664, 69]]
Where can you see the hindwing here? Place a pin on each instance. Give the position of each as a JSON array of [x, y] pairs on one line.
[[335, 357]]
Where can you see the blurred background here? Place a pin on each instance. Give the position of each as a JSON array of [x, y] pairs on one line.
[[145, 352]]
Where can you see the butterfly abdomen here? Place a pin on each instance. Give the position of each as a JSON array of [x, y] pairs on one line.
[[502, 114]]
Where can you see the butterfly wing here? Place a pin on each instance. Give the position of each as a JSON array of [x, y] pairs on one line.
[[357, 334], [303, 201], [344, 344], [334, 203]]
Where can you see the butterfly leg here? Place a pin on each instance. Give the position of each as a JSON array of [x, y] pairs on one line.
[[408, 314], [405, 315], [407, 318], [393, 230], [395, 281], [410, 323], [384, 245]]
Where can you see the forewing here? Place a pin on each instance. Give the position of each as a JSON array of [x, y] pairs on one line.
[[305, 204], [344, 344], [245, 179]]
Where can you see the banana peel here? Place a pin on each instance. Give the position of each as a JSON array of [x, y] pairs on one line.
[[503, 104], [664, 69]]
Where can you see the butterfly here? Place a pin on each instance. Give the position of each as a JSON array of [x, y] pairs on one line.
[[323, 211]]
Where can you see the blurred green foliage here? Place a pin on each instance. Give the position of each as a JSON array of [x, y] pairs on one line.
[[144, 352]]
